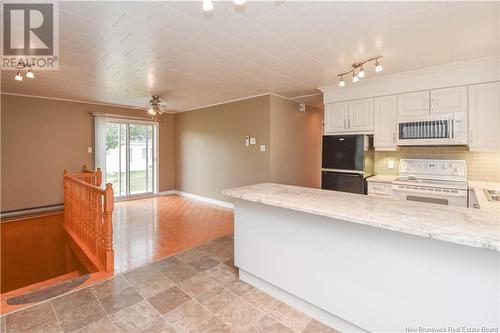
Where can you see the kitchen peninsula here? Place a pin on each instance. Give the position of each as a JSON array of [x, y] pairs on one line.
[[363, 263]]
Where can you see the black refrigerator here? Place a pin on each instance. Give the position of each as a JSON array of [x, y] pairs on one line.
[[347, 160]]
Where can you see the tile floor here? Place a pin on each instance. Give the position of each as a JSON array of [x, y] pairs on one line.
[[196, 291]]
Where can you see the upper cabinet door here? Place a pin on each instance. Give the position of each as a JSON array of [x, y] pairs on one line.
[[449, 100], [335, 118], [385, 126], [484, 117], [415, 103], [360, 115]]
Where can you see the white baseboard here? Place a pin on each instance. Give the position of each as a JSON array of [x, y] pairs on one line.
[[169, 192], [199, 198]]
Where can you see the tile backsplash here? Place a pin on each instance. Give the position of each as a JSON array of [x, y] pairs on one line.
[[481, 166]]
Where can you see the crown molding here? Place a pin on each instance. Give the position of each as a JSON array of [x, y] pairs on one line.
[[132, 107], [75, 101]]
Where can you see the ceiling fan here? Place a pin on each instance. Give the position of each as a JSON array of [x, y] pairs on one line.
[[156, 107]]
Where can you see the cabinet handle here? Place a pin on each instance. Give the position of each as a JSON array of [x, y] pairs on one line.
[[432, 104], [345, 124], [393, 137], [348, 123]]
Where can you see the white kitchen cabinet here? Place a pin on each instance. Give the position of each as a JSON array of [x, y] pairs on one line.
[[484, 117], [415, 103], [335, 119], [449, 100], [379, 188], [360, 115], [385, 124], [353, 117]]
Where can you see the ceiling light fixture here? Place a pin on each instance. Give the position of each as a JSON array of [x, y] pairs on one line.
[[208, 6], [239, 2], [157, 108], [341, 82], [358, 66], [22, 65]]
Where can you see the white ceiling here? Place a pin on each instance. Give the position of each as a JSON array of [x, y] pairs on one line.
[[124, 52]]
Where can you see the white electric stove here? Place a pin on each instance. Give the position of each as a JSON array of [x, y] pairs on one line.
[[432, 181]]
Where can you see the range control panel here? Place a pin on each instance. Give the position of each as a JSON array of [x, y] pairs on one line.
[[437, 169]]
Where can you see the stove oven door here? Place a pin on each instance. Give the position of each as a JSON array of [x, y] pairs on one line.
[[442, 196]]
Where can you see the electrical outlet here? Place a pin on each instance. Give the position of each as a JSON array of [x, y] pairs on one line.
[[262, 147], [253, 141], [247, 141], [89, 150], [390, 164]]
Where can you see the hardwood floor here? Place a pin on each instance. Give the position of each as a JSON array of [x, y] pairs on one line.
[[146, 230]]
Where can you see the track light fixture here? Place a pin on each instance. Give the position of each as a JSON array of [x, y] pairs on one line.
[[20, 66], [358, 66]]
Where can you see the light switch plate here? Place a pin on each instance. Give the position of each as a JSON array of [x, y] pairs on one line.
[[262, 147], [89, 150], [247, 141], [253, 141]]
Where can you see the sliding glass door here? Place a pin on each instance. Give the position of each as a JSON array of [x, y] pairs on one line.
[[130, 157]]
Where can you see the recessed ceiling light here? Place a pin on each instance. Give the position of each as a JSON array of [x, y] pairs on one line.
[[208, 6]]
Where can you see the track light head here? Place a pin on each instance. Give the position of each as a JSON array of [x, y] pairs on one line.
[[341, 82], [30, 74], [18, 76], [361, 73], [355, 78], [378, 66]]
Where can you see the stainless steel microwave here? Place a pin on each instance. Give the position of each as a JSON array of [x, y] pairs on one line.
[[433, 129]]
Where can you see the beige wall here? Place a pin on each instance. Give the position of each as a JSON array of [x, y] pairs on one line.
[[211, 154], [295, 144], [41, 137], [481, 166]]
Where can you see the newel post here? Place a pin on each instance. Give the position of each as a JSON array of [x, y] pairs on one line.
[[108, 220]]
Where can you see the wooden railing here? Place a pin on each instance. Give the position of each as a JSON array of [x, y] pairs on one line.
[[88, 213]]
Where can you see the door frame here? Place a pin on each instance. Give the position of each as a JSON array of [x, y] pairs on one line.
[[155, 137]]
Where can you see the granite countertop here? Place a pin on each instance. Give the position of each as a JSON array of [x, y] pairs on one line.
[[484, 203], [471, 227], [381, 178]]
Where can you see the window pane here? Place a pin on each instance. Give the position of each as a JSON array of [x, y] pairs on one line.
[[138, 163]]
